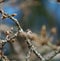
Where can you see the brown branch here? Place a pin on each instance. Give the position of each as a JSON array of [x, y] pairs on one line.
[[51, 55], [5, 15], [30, 46]]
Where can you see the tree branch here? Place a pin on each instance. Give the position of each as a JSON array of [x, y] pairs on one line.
[[30, 46]]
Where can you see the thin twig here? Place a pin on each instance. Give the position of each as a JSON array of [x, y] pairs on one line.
[[30, 46]]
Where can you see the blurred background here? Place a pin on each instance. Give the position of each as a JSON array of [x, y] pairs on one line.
[[35, 12], [32, 14]]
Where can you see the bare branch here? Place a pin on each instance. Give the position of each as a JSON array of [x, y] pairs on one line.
[[28, 41], [51, 55], [21, 30]]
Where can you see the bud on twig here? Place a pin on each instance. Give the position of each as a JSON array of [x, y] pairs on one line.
[[13, 14], [3, 17]]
